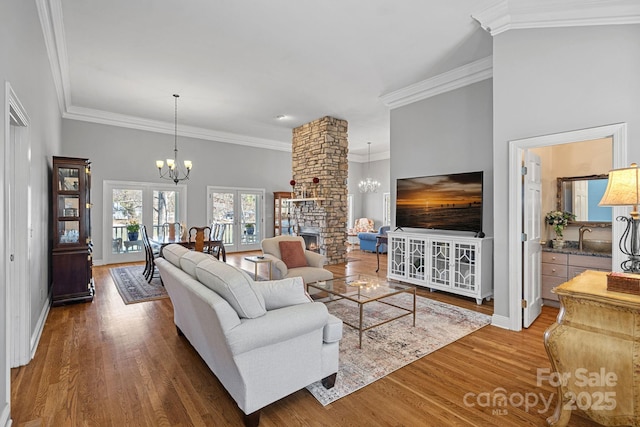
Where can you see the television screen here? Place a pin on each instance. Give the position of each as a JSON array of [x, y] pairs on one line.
[[441, 202]]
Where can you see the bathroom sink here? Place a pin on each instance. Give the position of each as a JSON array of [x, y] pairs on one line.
[[601, 246]]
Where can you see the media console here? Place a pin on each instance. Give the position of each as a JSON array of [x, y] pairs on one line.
[[457, 264]]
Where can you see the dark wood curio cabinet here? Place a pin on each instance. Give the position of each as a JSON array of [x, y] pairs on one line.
[[71, 258]]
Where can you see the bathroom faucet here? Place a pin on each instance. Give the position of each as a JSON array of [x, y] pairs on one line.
[[581, 232]]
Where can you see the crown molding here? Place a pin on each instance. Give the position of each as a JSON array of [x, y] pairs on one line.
[[50, 14], [507, 15], [131, 122], [465, 75], [364, 158]]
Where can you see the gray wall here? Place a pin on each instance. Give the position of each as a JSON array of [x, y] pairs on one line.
[[25, 65], [555, 80], [129, 155], [369, 205], [448, 133]]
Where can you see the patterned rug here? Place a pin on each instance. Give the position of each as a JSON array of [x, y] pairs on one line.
[[395, 344], [133, 287]]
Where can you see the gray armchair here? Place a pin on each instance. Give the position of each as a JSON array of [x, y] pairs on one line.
[[314, 270]]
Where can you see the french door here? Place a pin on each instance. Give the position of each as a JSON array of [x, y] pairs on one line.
[[242, 211], [130, 203]]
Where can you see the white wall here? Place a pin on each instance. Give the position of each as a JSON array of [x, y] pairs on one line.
[[555, 80], [129, 155], [448, 133], [25, 65]]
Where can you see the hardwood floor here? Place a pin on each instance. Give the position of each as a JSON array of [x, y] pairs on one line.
[[109, 364]]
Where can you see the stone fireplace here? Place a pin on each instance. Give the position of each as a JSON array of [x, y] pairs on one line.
[[319, 150], [311, 236]]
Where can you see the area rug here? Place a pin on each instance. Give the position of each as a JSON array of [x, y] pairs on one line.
[[133, 287], [393, 345]]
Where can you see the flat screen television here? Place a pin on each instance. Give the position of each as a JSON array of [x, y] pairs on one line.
[[440, 202]]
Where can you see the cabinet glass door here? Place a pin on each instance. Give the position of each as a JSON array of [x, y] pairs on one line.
[[440, 262], [417, 259], [465, 266], [395, 258], [68, 179]]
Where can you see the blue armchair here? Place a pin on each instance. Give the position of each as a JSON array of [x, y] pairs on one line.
[[368, 240]]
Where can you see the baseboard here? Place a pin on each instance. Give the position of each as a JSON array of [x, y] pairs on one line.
[[98, 262], [37, 333], [501, 321]]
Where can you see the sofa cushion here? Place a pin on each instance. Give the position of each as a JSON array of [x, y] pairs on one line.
[[292, 254], [282, 293], [235, 287], [191, 259], [173, 253]]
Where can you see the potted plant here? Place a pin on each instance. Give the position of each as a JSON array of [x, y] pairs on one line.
[[250, 228], [559, 220], [132, 230]]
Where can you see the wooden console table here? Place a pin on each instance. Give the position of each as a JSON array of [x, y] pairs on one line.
[[595, 346]]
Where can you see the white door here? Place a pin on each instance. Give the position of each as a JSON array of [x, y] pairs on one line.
[[242, 210], [532, 250], [140, 203], [581, 200]]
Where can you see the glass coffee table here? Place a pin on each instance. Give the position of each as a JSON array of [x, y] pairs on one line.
[[362, 290]]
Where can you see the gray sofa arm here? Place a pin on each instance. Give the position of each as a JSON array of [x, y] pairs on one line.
[[277, 326], [315, 259]]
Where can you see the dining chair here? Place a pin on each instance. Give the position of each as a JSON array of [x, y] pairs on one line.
[[150, 270], [217, 240], [201, 237], [172, 229]]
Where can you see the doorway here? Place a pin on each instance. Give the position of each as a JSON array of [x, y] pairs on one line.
[[141, 203], [18, 238], [242, 212], [517, 149]]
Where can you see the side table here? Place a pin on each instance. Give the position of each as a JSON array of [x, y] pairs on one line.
[[258, 260], [380, 239]]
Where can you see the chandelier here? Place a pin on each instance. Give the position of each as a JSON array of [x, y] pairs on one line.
[[173, 172], [369, 185]]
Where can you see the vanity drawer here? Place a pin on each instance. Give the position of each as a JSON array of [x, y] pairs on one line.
[[554, 258], [556, 270], [548, 283], [590, 262]]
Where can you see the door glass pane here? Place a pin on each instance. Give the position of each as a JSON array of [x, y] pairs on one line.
[[127, 211], [223, 212], [250, 221], [165, 205]]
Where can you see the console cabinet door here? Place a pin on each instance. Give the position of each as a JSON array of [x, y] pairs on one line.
[[396, 257], [440, 262], [417, 259], [466, 263]]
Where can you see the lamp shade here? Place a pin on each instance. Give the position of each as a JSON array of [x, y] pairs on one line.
[[622, 188]]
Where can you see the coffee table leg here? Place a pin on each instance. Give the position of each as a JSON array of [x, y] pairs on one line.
[[360, 328], [414, 306]]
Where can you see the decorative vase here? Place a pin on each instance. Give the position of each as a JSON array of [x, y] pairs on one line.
[[133, 236], [557, 243]]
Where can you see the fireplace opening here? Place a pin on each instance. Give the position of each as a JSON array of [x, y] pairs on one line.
[[311, 238]]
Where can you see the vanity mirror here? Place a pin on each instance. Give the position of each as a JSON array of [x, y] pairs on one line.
[[580, 195]]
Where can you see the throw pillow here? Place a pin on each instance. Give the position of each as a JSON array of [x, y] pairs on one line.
[[292, 254], [282, 293]]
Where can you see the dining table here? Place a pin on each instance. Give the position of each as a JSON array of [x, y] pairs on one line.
[[163, 241]]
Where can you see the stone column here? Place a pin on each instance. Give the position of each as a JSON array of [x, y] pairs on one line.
[[320, 151]]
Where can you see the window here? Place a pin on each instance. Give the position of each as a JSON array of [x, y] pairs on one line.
[[386, 209]]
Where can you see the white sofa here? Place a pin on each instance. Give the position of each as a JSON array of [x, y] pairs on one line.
[[262, 340]]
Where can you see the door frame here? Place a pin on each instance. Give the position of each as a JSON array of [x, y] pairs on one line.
[[618, 133], [18, 164]]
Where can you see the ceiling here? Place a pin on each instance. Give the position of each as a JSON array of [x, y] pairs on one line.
[[238, 65]]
